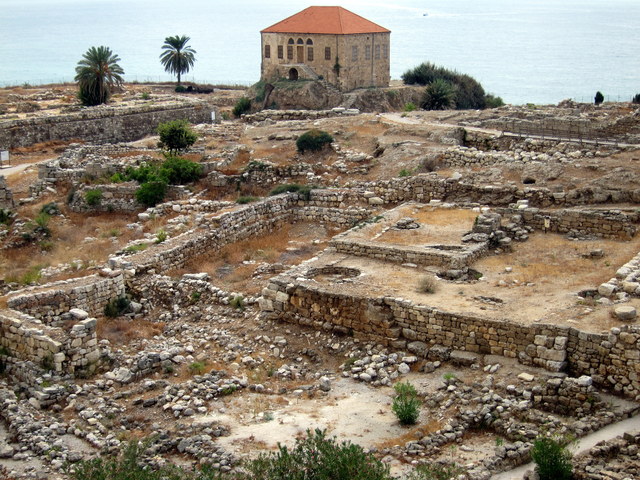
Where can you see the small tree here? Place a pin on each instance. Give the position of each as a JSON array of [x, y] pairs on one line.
[[406, 404], [151, 193], [176, 136], [636, 99], [313, 140], [599, 98], [242, 106], [439, 95], [552, 459], [178, 171]]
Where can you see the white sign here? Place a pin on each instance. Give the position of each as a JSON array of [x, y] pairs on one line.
[[4, 155], [213, 116]]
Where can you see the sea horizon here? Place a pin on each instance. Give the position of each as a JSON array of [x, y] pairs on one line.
[[530, 51]]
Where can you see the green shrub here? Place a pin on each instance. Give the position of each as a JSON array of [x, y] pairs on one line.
[[313, 140], [304, 190], [552, 459], [246, 199], [93, 197], [196, 368], [406, 404], [145, 96], [151, 193], [493, 101], [439, 95], [6, 216], [180, 89], [436, 471], [237, 302], [161, 236], [138, 247], [404, 173], [409, 107], [636, 99], [118, 178], [117, 307], [176, 135], [599, 98], [50, 209], [144, 173], [466, 91], [243, 105], [317, 457], [178, 171]]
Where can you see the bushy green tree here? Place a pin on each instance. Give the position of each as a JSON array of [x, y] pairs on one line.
[[178, 171], [151, 193], [319, 458], [177, 57], [97, 74], [242, 106], [552, 459], [313, 140], [439, 95], [176, 136], [599, 98]]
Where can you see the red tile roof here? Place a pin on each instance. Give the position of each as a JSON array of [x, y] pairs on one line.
[[325, 20]]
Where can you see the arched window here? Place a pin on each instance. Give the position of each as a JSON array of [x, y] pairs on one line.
[[300, 41], [290, 44], [267, 51], [309, 41]]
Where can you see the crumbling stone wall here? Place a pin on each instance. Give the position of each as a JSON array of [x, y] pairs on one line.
[[27, 338], [102, 124], [49, 302], [6, 196]]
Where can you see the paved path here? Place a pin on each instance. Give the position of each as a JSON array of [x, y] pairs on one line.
[[5, 171]]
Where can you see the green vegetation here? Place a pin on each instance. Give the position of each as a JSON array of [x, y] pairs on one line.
[[439, 95], [405, 173], [138, 247], [161, 236], [304, 190], [179, 171], [246, 199], [552, 459], [317, 457], [466, 92], [196, 368], [237, 302], [427, 284], [93, 197], [6, 216], [117, 307], [436, 471], [151, 193], [97, 74], [636, 99], [177, 57], [599, 98], [176, 136], [242, 106], [50, 208], [406, 404], [409, 107], [313, 140]]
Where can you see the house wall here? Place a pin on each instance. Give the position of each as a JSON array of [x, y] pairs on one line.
[[370, 67]]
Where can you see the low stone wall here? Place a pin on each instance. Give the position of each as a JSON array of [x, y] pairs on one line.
[[279, 115], [614, 224], [447, 256], [117, 197], [612, 360], [26, 338], [102, 124], [49, 302]]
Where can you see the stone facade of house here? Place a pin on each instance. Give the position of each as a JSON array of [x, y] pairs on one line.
[[330, 43]]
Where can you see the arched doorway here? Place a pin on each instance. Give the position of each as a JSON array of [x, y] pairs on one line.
[[293, 74]]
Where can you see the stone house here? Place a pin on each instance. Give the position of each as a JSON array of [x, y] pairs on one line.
[[330, 43]]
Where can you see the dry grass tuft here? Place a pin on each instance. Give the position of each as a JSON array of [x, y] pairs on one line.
[[121, 331]]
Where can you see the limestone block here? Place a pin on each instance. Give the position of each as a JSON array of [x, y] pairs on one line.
[[625, 313]]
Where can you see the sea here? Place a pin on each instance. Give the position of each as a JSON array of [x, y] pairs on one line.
[[525, 51]]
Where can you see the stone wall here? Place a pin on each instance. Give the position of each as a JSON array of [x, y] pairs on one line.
[[102, 124], [6, 196], [49, 302], [612, 360], [280, 115], [27, 338]]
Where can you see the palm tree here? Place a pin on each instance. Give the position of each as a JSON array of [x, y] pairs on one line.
[[97, 73], [178, 57]]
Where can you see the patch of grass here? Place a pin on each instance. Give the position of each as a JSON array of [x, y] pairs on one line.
[[196, 368], [138, 247], [161, 236], [246, 199], [405, 173]]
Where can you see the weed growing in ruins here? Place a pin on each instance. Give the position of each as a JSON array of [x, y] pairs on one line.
[[552, 459], [317, 457], [138, 247], [436, 471], [47, 362], [314, 140], [246, 199], [304, 190], [50, 209], [406, 404], [116, 307], [195, 296], [409, 107], [237, 302], [6, 216], [405, 173], [93, 197], [242, 106], [196, 368], [449, 376], [427, 284], [161, 236]]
